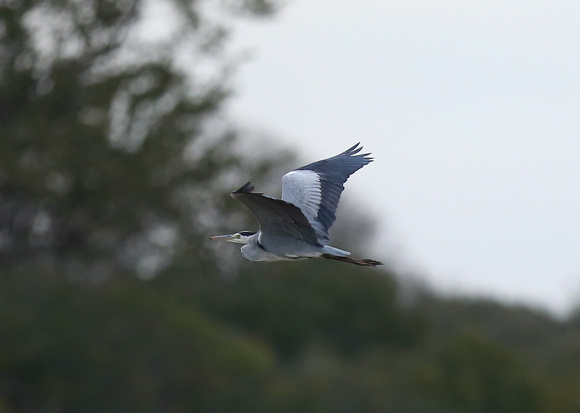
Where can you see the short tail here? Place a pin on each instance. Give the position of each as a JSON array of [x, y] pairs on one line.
[[362, 263]]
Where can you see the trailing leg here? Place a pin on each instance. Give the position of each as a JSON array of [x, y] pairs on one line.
[[362, 263]]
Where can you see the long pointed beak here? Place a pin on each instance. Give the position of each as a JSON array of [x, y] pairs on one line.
[[222, 237]]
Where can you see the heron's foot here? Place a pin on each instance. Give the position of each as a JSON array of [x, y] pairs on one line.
[[369, 263], [362, 263]]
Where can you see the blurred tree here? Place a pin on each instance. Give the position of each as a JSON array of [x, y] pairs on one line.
[[477, 374], [110, 140], [307, 303], [119, 346]]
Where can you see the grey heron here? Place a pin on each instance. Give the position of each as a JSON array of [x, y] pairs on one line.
[[296, 226]]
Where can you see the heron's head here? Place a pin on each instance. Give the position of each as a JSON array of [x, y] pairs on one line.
[[242, 237]]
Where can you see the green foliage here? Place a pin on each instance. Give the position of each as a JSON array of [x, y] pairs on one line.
[[121, 346], [272, 341], [106, 154], [294, 309], [478, 374]]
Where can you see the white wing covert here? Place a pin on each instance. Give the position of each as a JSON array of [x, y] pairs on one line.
[[316, 187]]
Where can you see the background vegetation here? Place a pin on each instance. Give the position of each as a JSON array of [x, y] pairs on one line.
[[114, 165]]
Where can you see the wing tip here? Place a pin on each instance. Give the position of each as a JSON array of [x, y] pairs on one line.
[[355, 149], [248, 188]]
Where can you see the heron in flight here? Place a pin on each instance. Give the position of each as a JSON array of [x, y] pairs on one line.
[[296, 226]]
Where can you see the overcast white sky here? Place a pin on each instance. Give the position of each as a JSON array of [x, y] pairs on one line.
[[472, 111]]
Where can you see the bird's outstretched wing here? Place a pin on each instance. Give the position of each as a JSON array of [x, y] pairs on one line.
[[316, 187], [276, 217]]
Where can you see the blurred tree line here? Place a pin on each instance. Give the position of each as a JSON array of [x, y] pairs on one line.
[[115, 163]]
